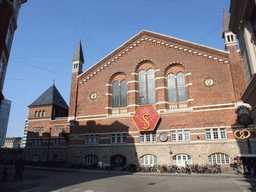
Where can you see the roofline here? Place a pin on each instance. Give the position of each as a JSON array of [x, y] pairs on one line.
[[214, 49]]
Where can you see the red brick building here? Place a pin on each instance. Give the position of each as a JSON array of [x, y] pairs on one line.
[[9, 10], [195, 89]]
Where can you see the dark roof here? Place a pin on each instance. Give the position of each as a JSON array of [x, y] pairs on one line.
[[78, 56], [50, 97], [226, 18]]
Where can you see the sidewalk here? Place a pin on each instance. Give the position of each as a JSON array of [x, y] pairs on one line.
[[224, 174]]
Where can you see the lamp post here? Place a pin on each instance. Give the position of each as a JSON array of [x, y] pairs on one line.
[[49, 144]]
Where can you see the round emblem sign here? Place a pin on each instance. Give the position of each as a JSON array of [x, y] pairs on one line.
[[163, 137], [93, 96], [208, 82]]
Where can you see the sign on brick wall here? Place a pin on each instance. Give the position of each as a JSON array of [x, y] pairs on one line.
[[146, 118]]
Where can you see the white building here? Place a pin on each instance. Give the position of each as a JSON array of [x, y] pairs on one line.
[[24, 136]]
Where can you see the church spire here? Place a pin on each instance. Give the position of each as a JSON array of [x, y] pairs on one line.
[[225, 24], [78, 59], [78, 56]]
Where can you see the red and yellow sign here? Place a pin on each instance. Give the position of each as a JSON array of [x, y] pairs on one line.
[[146, 118]]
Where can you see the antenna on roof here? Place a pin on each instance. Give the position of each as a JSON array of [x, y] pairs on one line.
[[53, 81]]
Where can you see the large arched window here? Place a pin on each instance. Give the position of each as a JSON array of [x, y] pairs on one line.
[[119, 94], [90, 159], [180, 159], [148, 160], [218, 158], [176, 87], [147, 87]]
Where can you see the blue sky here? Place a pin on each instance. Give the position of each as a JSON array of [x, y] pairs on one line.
[[49, 31]]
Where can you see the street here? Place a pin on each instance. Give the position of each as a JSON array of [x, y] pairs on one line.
[[99, 181]]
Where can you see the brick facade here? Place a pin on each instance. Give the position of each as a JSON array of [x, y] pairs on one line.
[[214, 82]]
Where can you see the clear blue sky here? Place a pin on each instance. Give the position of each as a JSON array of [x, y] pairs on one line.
[[49, 31]]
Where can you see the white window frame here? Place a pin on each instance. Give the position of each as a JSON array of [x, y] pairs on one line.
[[148, 138], [180, 135], [219, 158], [220, 131], [148, 160], [93, 139], [114, 138], [182, 160]]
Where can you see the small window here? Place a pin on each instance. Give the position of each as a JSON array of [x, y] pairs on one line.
[[118, 138], [68, 128], [147, 137], [34, 129], [42, 129], [180, 135], [59, 128], [36, 114], [43, 113], [55, 128]]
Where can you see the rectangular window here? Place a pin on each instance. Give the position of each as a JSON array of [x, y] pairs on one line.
[[154, 137], [180, 136], [38, 129], [173, 135], [86, 138], [118, 138], [147, 137], [141, 138], [35, 129], [187, 135], [42, 129], [223, 133], [55, 128], [208, 133], [113, 138], [96, 139], [59, 128], [124, 138], [215, 133], [91, 139], [68, 128]]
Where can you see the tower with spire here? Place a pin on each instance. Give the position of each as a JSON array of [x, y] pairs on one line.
[[78, 60], [229, 36], [236, 65]]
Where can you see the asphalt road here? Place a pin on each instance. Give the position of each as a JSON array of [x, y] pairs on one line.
[[103, 181]]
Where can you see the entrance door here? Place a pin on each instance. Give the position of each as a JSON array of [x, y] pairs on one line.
[[118, 161]]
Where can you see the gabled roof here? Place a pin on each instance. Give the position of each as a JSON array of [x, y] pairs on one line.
[[50, 97], [164, 39], [78, 56]]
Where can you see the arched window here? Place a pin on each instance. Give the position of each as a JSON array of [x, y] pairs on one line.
[[40, 114], [90, 159], [181, 159], [218, 158], [147, 87], [123, 93], [176, 87], [182, 95], [36, 114], [148, 160], [119, 94], [171, 83], [43, 113]]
